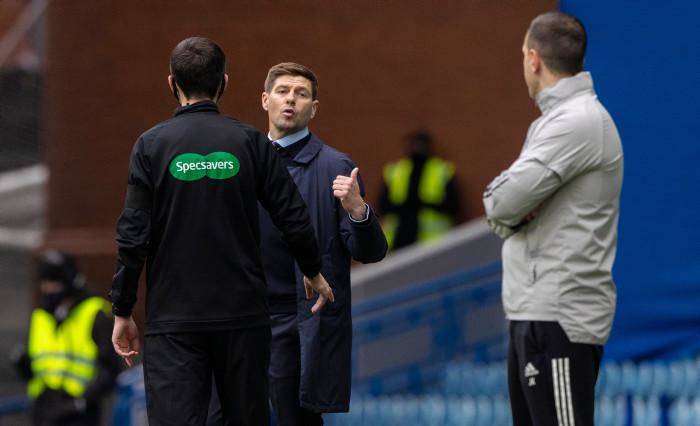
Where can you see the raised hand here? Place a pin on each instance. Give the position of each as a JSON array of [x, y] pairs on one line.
[[347, 190]]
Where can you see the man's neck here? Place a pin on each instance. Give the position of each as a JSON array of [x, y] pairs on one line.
[[194, 100], [549, 79], [277, 134]]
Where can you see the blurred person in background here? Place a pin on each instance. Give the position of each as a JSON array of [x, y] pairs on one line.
[[191, 213], [69, 362], [346, 228], [419, 199], [557, 208]]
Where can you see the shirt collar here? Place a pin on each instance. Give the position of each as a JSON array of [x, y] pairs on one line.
[[291, 139], [563, 89]]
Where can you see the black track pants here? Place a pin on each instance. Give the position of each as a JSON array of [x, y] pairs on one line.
[[551, 380]]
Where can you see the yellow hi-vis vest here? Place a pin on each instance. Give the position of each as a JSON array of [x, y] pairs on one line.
[[63, 357], [431, 189]]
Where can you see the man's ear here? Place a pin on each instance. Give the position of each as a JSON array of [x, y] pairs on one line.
[[173, 87], [263, 100], [535, 61], [314, 107]]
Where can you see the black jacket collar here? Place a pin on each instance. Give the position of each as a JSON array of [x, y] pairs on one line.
[[201, 106]]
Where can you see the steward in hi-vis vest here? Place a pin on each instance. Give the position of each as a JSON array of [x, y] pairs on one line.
[[69, 362], [419, 200]]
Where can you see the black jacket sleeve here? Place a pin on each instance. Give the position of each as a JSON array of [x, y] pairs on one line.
[[365, 240], [133, 233], [280, 197], [108, 363]]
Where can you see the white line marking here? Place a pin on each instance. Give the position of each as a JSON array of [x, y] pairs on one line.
[[562, 392], [568, 391], [555, 385]]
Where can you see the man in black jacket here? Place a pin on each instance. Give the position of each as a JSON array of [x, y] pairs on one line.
[[191, 212]]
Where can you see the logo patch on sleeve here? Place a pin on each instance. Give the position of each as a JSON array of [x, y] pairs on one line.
[[216, 165]]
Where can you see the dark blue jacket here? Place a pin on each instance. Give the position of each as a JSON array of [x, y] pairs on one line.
[[326, 338]]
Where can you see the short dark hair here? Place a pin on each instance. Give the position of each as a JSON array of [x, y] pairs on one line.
[[197, 64], [560, 39], [293, 69], [422, 137]]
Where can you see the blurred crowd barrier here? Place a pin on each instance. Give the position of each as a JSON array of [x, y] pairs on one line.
[[628, 393], [634, 394]]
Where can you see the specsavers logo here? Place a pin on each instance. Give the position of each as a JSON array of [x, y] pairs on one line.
[[217, 165]]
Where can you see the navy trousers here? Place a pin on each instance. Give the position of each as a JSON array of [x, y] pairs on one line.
[[284, 373]]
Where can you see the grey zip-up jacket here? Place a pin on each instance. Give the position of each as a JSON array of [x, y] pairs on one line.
[[558, 266]]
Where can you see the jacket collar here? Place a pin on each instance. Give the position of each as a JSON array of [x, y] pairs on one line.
[[202, 106], [310, 151], [563, 89]]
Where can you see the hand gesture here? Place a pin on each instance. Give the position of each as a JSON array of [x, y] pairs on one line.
[[125, 339], [347, 190], [320, 285]]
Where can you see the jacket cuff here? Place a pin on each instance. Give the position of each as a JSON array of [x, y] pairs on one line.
[[311, 269], [118, 311], [365, 220]]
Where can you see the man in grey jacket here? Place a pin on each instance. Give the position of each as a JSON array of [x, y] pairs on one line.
[[557, 209]]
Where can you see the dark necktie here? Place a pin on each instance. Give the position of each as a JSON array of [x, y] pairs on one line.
[[279, 148]]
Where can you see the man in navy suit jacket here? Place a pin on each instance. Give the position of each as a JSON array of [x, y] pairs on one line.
[[346, 228]]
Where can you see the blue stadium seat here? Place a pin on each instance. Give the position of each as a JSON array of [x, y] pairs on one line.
[[501, 411], [644, 381], [661, 383], [461, 411], [681, 413], [452, 379], [484, 411], [629, 378], [610, 379], [646, 412], [370, 411], [611, 411], [691, 374]]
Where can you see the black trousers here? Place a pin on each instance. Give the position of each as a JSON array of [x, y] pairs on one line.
[[284, 373], [57, 408], [551, 381], [178, 371]]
